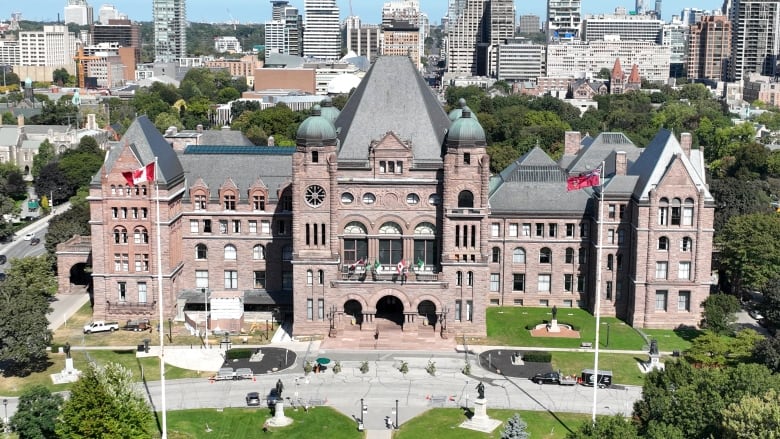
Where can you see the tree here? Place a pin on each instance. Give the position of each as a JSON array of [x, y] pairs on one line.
[[168, 119], [606, 427], [54, 182], [60, 76], [713, 350], [770, 308], [62, 227], [720, 313], [767, 352], [37, 413], [604, 73], [516, 428], [104, 403], [753, 417], [750, 250], [24, 333], [45, 155], [735, 197], [12, 182]]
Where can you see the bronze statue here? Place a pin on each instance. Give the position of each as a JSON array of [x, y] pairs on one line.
[[653, 347], [279, 388], [555, 312], [66, 349], [481, 390]]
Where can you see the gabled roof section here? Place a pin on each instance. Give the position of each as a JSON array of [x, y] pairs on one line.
[[392, 97], [147, 143], [655, 161], [535, 165], [617, 69], [634, 77], [597, 151]]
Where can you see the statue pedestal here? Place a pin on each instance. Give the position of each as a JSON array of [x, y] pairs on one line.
[[480, 421], [279, 420], [653, 364], [553, 326], [68, 375]]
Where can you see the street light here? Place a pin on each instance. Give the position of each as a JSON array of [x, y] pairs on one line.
[[396, 414], [607, 334], [206, 308], [170, 330], [5, 419]]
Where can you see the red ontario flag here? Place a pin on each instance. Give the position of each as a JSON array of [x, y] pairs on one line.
[[588, 179], [140, 175]]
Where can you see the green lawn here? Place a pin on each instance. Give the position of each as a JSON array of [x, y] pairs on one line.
[[624, 367], [444, 423], [319, 422], [506, 327]]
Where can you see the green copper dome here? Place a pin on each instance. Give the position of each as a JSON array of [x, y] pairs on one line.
[[316, 130], [458, 111], [466, 131], [329, 111]]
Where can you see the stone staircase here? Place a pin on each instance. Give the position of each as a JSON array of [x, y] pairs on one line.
[[389, 336]]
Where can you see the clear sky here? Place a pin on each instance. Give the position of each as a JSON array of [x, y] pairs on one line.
[[247, 11]]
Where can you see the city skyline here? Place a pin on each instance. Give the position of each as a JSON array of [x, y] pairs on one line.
[[250, 11]]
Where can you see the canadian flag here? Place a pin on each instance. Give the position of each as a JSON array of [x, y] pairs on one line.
[[140, 175], [400, 267], [359, 263]]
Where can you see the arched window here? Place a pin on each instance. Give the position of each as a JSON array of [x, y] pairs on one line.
[[320, 277], [140, 235], [663, 243], [687, 213], [663, 212], [545, 256], [518, 256], [390, 228], [113, 190], [258, 252], [425, 245], [470, 279], [120, 235], [287, 253], [569, 255], [686, 244], [390, 248], [201, 251], [309, 277], [465, 199], [459, 278], [230, 252], [610, 262], [496, 255], [676, 217], [355, 242]]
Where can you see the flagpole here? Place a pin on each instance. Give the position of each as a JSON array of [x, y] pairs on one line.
[[597, 310], [160, 302]]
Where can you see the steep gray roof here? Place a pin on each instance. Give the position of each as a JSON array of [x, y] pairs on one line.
[[224, 137], [147, 143], [9, 135], [591, 155], [655, 161], [517, 189], [244, 169], [392, 97]]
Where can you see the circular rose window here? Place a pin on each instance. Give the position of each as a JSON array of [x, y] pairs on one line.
[[315, 195]]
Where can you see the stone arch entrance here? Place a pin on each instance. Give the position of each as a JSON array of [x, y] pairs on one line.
[[354, 310], [79, 274], [74, 256], [427, 312], [390, 308]]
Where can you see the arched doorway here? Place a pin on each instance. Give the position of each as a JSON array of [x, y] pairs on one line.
[[79, 275], [354, 309], [427, 310], [390, 308]]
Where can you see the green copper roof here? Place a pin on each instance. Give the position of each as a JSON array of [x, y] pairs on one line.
[[329, 111], [466, 131], [316, 130]]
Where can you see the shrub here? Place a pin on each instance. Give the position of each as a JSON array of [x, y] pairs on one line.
[[431, 367], [235, 354], [537, 356], [466, 369], [404, 369], [364, 367], [307, 368], [337, 367]]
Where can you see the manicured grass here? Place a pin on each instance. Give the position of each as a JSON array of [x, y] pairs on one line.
[[444, 423], [506, 327], [319, 422], [624, 367], [673, 339]]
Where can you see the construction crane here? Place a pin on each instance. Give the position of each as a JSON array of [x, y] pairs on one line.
[[81, 65], [232, 20]]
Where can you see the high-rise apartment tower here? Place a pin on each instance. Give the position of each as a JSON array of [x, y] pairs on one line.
[[170, 29]]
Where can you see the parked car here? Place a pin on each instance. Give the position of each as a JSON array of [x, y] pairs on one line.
[[29, 236], [137, 325], [35, 241], [546, 378], [3, 259], [756, 314], [100, 326], [253, 399]]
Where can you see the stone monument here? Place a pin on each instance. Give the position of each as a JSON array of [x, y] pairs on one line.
[[279, 420], [480, 420], [654, 360], [553, 326], [70, 374]]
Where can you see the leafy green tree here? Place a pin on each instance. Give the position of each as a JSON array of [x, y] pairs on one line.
[[167, 92], [165, 120], [256, 135], [23, 306], [53, 181], [239, 107], [753, 417], [515, 428], [713, 350], [720, 313], [770, 307], [606, 427], [7, 207], [105, 403], [227, 94], [8, 118], [61, 112], [750, 250], [604, 73], [45, 155], [12, 182], [735, 197], [60, 76], [767, 352], [79, 167], [37, 413], [75, 221], [88, 144]]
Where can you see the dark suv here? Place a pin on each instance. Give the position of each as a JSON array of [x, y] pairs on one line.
[[3, 259], [546, 378]]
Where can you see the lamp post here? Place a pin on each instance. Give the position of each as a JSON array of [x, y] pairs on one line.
[[5, 418], [266, 329], [396, 414], [362, 411], [170, 330], [206, 308], [607, 334]]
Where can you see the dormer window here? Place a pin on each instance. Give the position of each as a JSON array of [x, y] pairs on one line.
[[229, 201], [466, 158], [258, 202]]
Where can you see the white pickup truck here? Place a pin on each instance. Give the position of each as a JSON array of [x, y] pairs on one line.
[[101, 326]]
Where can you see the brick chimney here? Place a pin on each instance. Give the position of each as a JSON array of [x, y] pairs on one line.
[[621, 163], [685, 142], [572, 141]]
